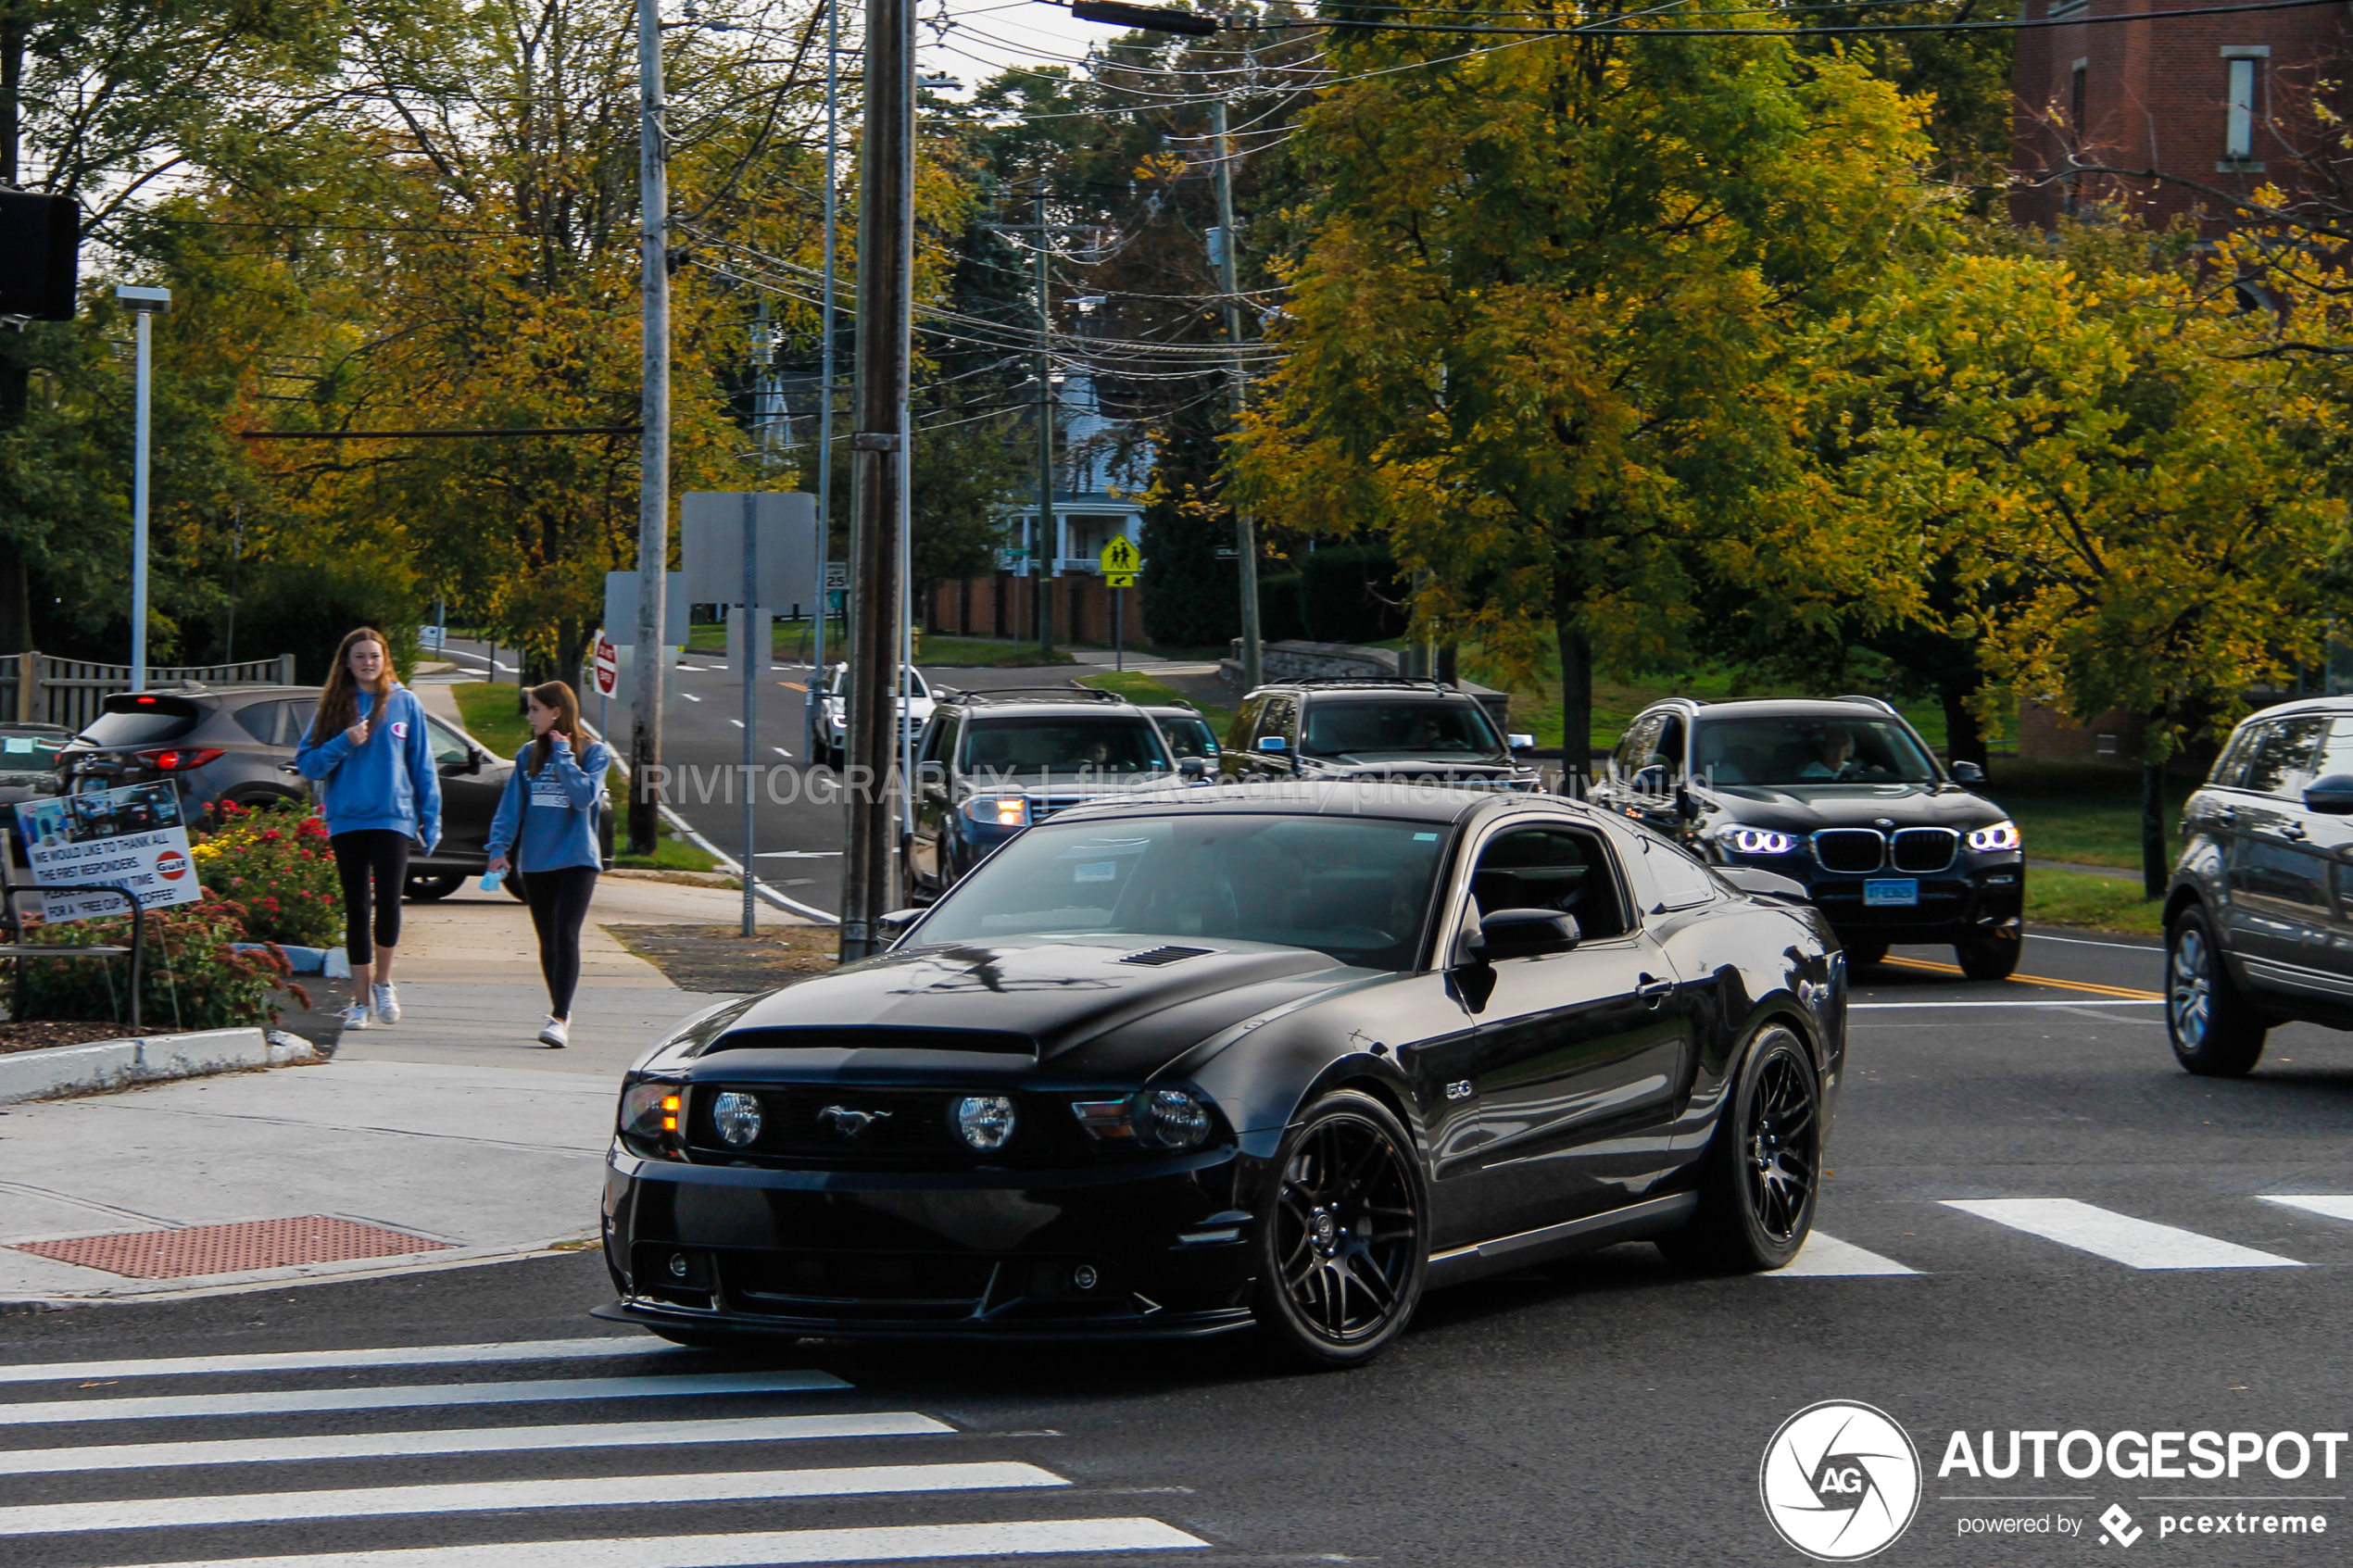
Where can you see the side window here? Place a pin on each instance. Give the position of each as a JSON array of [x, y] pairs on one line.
[[1667, 750], [1245, 726], [1275, 719], [262, 721], [1550, 868], [2337, 752], [938, 738], [1634, 747], [446, 746], [2280, 759], [1682, 881]]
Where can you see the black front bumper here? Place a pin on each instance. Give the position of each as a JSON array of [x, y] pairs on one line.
[[1978, 895], [1158, 1248]]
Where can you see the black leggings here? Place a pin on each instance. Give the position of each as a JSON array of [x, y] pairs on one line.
[[370, 854], [559, 902]]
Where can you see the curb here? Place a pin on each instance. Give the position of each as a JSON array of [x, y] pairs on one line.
[[122, 1064], [132, 1293]]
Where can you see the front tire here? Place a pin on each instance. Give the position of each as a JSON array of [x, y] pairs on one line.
[[1992, 957], [1762, 1171], [424, 887], [1343, 1239], [2215, 1032]]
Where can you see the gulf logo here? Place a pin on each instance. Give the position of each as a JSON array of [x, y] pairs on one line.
[[172, 865]]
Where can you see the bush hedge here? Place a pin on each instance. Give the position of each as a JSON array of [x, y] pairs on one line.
[[191, 977], [275, 865]]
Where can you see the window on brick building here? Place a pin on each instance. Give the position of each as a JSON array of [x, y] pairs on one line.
[[2238, 125]]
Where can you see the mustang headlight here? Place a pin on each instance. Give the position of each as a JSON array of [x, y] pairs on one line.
[[998, 811], [1154, 1118], [1742, 839], [737, 1119], [984, 1122], [2001, 836], [649, 1112]]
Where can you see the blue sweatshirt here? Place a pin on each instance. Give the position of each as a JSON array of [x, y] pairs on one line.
[[389, 782], [556, 812]]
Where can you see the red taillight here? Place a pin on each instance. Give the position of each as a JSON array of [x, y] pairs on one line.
[[144, 701], [178, 761]]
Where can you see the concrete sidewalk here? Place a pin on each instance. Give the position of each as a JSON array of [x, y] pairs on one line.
[[453, 1125]]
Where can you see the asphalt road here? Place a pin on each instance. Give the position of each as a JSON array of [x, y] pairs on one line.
[[1604, 1410], [797, 824]]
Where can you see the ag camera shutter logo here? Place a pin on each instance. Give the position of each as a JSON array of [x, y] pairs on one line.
[[1840, 1481]]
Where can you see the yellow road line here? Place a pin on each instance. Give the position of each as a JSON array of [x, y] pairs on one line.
[[792, 686], [2123, 993]]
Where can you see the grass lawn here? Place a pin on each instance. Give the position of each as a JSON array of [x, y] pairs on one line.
[[488, 707], [2073, 811], [983, 653], [1144, 689], [2094, 903]]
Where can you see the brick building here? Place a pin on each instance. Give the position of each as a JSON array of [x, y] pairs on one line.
[[2224, 101]]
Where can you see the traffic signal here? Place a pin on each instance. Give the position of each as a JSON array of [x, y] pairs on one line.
[[40, 255]]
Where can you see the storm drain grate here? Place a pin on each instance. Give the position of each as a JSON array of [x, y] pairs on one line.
[[223, 1249]]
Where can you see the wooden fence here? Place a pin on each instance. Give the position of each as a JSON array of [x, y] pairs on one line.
[[40, 688]]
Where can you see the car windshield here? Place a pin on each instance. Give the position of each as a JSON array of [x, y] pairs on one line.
[[1355, 888], [1809, 751], [1390, 729], [1188, 735], [141, 721], [1076, 742], [913, 684]]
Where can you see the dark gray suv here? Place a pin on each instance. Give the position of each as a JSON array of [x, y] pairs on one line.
[[2259, 924]]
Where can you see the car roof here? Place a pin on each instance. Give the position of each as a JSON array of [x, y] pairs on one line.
[[1392, 799], [1793, 708], [1367, 685], [2304, 704]]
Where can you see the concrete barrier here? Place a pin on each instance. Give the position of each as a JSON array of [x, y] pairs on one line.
[[122, 1064]]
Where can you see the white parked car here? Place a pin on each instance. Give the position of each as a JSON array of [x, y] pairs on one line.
[[833, 715]]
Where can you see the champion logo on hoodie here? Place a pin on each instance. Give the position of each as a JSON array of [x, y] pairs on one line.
[[400, 729]]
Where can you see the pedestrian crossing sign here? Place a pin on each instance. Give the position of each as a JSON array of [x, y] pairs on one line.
[[1120, 562]]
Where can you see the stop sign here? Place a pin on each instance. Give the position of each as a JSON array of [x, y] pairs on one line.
[[608, 667]]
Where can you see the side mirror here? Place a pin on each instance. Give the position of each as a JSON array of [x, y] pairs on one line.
[[1967, 774], [1273, 744], [1650, 781], [892, 926], [1521, 934], [1519, 743], [2331, 797], [1195, 769]]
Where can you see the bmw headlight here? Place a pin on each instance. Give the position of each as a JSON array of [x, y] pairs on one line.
[[1742, 839], [998, 811], [737, 1119], [984, 1122], [2001, 836]]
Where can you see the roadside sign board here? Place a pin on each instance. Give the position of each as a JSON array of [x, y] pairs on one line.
[[130, 837], [836, 576], [1120, 562], [608, 665], [783, 545]]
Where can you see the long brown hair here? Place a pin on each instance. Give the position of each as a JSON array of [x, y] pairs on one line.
[[339, 702], [566, 703]]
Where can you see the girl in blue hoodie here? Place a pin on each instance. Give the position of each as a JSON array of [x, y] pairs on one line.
[[370, 763], [552, 801]]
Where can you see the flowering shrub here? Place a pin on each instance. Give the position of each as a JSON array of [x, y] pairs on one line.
[[191, 977], [274, 863]]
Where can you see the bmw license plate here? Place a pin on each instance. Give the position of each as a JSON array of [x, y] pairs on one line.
[[1882, 891]]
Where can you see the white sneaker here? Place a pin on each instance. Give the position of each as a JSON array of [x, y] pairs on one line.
[[387, 1004], [554, 1033], [357, 1016]]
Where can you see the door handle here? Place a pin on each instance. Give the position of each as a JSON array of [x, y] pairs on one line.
[[1652, 989], [2229, 815], [2293, 830]]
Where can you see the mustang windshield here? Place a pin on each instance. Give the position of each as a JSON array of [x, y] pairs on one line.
[[1392, 730], [1355, 888], [1080, 742], [1809, 751]]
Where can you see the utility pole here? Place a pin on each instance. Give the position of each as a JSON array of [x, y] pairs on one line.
[[826, 380], [1245, 536], [653, 449], [144, 304], [1049, 544], [878, 446]]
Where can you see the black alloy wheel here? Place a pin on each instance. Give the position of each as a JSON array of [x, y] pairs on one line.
[[1344, 1238], [1992, 957], [1762, 1172], [424, 887], [2215, 1032]]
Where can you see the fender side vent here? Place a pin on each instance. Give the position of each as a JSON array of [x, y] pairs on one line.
[[1152, 958]]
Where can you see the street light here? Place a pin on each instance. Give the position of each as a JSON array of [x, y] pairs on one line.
[[144, 304]]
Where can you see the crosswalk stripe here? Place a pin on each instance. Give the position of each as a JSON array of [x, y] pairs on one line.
[[480, 1497], [2139, 1244], [173, 1405], [2327, 1207], [1824, 1255], [298, 1361], [891, 1543], [482, 1440]]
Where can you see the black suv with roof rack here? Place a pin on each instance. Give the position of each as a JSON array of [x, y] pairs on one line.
[[1843, 795], [1375, 728], [992, 763]]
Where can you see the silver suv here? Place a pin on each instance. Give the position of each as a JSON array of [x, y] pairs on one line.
[[2259, 924]]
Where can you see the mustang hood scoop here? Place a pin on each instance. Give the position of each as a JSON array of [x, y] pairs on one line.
[[820, 1038], [1155, 956]]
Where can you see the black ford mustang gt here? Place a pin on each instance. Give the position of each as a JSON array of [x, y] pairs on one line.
[[1174, 1066]]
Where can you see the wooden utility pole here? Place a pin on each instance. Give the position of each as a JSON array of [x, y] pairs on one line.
[[653, 449]]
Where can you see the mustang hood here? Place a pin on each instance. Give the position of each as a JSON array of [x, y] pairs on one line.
[[1093, 1006], [1805, 808]]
